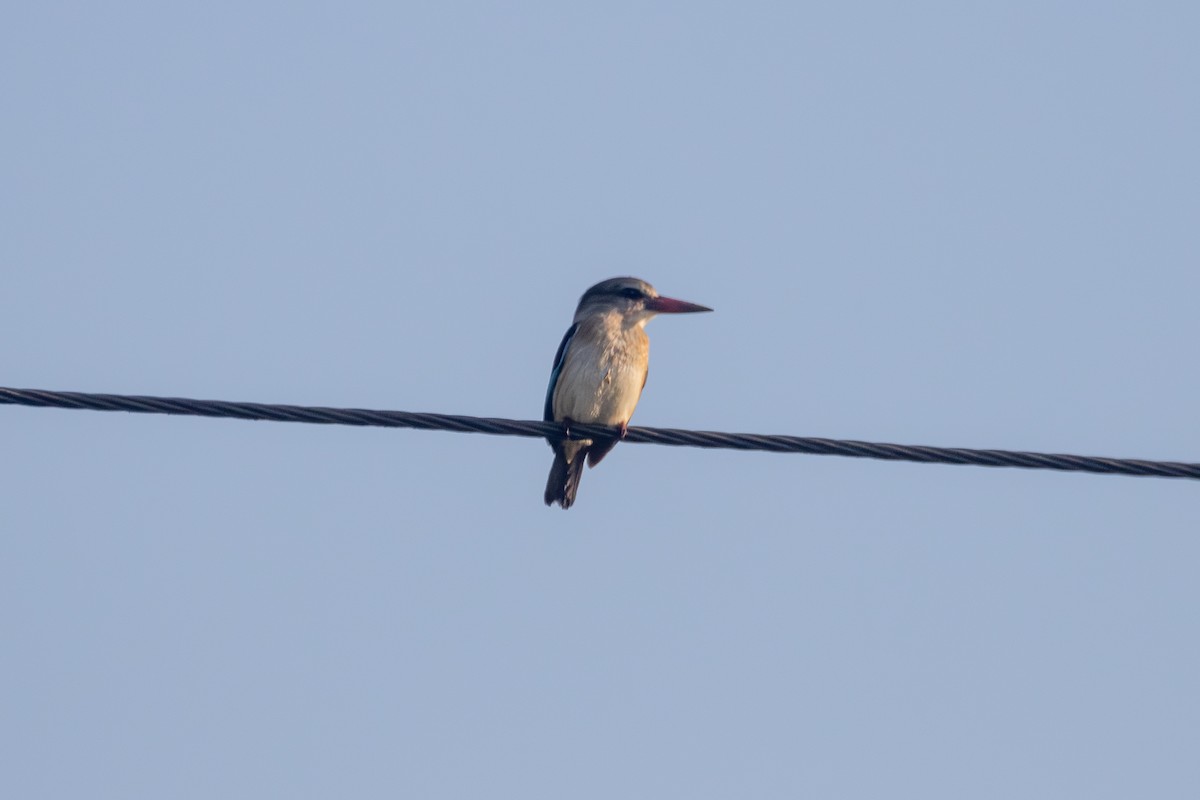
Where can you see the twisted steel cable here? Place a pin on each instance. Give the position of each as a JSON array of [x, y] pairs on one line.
[[537, 429]]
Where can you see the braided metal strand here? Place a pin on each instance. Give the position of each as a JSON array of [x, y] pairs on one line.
[[537, 429]]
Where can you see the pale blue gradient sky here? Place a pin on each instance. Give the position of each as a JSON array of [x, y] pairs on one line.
[[931, 223]]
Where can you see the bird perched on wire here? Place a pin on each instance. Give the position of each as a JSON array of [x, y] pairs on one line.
[[599, 373]]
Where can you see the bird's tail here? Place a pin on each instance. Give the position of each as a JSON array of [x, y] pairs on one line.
[[563, 482]]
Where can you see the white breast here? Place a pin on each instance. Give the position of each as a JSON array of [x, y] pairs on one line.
[[601, 378]]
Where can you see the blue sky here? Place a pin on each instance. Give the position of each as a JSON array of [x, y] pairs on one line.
[[934, 223]]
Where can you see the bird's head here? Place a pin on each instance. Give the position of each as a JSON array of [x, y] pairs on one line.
[[634, 300]]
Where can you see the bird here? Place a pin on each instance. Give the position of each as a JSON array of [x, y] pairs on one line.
[[599, 372]]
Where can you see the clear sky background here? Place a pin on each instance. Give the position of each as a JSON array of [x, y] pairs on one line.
[[927, 223]]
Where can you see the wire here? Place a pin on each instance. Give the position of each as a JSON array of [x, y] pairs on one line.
[[534, 429]]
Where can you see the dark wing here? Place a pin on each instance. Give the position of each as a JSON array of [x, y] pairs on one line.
[[559, 358]]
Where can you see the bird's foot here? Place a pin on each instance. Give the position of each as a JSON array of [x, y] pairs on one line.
[[624, 429]]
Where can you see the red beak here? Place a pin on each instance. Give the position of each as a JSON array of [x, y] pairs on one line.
[[667, 305]]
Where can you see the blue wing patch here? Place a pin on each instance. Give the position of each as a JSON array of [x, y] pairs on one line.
[[559, 358]]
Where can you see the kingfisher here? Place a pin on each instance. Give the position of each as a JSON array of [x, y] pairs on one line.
[[599, 372]]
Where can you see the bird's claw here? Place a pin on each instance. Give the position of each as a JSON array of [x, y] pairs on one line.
[[622, 429]]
